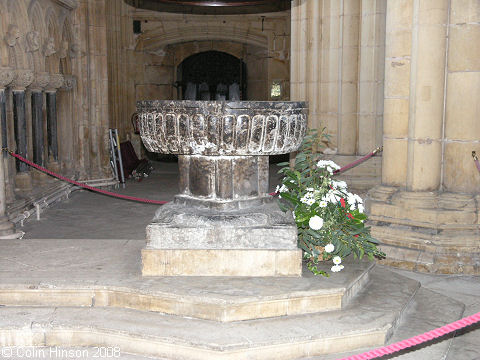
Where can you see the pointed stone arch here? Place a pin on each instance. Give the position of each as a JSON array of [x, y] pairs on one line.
[[37, 24]]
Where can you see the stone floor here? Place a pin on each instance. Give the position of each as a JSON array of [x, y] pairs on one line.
[[86, 216]]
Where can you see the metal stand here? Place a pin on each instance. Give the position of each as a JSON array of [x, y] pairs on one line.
[[116, 155]]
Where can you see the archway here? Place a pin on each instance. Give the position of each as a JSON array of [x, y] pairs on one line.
[[212, 75]]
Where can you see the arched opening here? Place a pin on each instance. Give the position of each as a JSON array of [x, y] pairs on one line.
[[212, 75]]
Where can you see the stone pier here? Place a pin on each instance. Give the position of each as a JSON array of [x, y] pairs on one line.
[[425, 213]]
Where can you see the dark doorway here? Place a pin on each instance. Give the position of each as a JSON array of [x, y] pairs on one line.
[[212, 75]]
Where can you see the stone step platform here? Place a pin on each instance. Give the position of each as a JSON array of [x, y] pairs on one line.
[[367, 321], [107, 274], [428, 310]]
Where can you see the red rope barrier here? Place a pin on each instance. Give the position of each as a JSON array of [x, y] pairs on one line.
[[148, 201], [85, 186], [359, 161], [417, 340]]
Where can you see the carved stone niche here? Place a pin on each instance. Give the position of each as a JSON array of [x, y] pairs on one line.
[[23, 79], [223, 205], [6, 76]]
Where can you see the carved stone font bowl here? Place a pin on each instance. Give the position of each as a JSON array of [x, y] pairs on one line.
[[216, 128]]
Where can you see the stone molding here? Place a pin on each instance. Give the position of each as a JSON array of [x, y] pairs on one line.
[[67, 4], [7, 75], [55, 82], [40, 81], [151, 40], [23, 79]]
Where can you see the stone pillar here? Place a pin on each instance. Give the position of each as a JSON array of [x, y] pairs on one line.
[[371, 76], [420, 224], [36, 88], [6, 227], [327, 69], [56, 81], [24, 78], [462, 118]]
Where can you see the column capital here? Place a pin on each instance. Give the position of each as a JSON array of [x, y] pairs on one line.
[[69, 82], [23, 79], [40, 81], [6, 76], [55, 82]]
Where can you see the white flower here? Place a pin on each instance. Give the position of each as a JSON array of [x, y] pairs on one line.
[[315, 222], [327, 163], [360, 208], [332, 196], [310, 189], [308, 198], [339, 184], [281, 189], [337, 268], [329, 248], [337, 260], [358, 198], [323, 204]]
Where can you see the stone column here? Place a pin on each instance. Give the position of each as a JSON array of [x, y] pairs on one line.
[[24, 78], [36, 88], [327, 69], [6, 227], [56, 81], [421, 225]]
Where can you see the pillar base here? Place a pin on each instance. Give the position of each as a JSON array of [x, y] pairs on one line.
[[54, 166], [40, 177], [7, 229], [23, 181], [436, 232], [195, 240]]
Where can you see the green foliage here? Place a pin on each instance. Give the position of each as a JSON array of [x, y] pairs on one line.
[[330, 220]]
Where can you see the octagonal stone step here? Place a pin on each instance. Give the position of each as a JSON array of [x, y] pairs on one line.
[[368, 320], [108, 275]]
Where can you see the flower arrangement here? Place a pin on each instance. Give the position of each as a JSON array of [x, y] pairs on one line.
[[330, 219]]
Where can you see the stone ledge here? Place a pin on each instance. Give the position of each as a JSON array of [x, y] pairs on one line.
[[220, 262]]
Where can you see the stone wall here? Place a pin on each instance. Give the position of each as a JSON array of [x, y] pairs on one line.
[[144, 66], [56, 101]]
